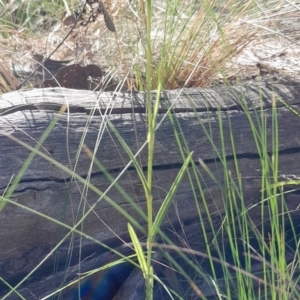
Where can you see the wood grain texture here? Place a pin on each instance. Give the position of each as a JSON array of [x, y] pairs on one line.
[[26, 238]]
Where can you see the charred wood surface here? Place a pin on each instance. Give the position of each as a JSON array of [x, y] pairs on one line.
[[26, 238]]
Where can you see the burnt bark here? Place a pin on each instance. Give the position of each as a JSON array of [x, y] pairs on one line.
[[26, 238]]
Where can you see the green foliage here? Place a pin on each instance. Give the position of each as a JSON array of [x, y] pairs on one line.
[[32, 15]]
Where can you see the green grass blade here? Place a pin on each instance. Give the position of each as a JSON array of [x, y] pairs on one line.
[[83, 181], [164, 208], [31, 156], [139, 251], [130, 154], [12, 288]]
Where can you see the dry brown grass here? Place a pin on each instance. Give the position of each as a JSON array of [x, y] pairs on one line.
[[191, 49], [8, 81]]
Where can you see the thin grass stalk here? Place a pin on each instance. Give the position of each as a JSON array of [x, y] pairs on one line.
[[183, 150], [258, 129], [279, 217], [151, 138], [233, 190], [229, 206], [272, 207], [242, 223], [170, 195], [72, 230], [131, 156], [207, 210], [149, 196], [31, 156], [269, 193], [83, 181], [114, 182], [12, 288]]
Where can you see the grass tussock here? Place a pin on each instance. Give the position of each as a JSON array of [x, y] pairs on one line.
[[192, 44]]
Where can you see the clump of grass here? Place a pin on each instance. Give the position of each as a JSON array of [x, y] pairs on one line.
[[190, 44]]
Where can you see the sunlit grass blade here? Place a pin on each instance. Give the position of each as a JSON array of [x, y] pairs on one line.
[[171, 193], [146, 269], [139, 251], [130, 154], [12, 288]]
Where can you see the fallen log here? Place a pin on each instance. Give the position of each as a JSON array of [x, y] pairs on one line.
[[27, 238]]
